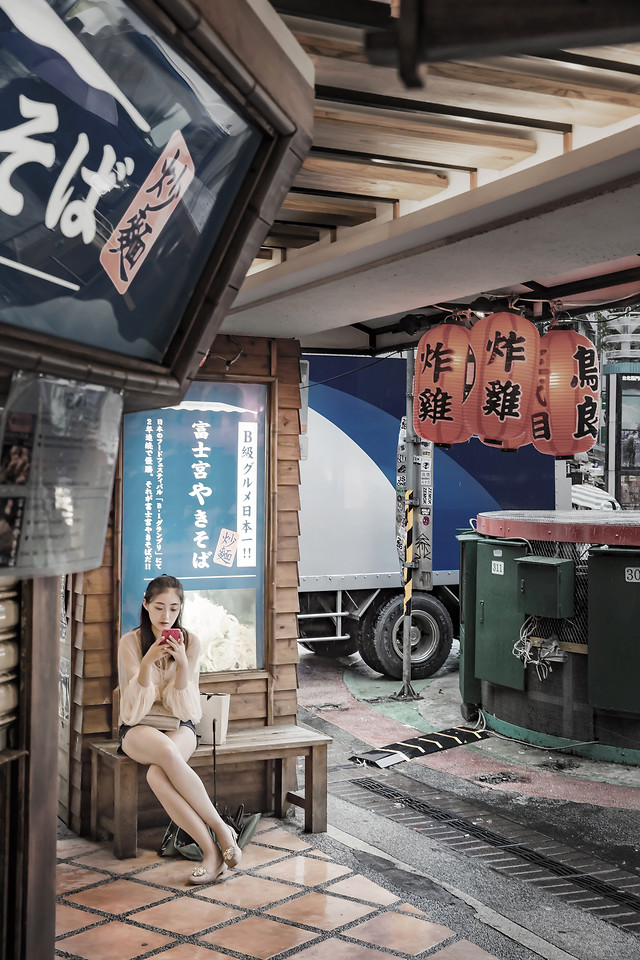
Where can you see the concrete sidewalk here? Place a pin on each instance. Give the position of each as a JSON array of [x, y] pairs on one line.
[[288, 898]]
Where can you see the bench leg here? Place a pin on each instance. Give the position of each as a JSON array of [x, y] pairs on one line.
[[315, 790], [93, 826], [285, 780], [125, 809]]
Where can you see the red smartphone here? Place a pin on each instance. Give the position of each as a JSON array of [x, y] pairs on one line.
[[174, 633]]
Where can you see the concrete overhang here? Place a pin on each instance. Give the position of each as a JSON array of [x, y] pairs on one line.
[[577, 212]]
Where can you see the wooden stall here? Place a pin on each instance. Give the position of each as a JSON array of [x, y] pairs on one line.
[[259, 697]]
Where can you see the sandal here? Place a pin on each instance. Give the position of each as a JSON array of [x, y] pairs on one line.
[[233, 854], [202, 875]]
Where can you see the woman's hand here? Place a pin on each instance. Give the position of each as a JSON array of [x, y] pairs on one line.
[[175, 648], [157, 652]]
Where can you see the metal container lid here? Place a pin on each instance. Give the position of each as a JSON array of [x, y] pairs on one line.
[[620, 528]]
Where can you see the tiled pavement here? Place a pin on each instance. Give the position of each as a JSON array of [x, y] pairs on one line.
[[287, 899]]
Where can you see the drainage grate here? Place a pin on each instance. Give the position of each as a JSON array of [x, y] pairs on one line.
[[585, 881]]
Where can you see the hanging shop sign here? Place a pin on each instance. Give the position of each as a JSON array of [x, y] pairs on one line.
[[508, 386], [194, 508], [124, 170], [114, 183], [58, 447]]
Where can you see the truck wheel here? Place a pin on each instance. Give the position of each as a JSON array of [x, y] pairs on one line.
[[431, 636], [367, 639], [330, 648]]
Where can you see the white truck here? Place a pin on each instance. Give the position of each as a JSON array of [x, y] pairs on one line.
[[351, 594]]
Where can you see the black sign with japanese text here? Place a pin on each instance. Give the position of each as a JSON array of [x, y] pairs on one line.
[[118, 166]]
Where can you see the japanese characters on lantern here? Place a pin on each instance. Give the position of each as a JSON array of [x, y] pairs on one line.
[[565, 414], [505, 384], [443, 378], [507, 348]]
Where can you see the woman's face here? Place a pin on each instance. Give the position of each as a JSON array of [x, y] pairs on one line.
[[163, 610]]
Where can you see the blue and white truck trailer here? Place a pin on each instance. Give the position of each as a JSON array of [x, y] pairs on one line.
[[351, 582]]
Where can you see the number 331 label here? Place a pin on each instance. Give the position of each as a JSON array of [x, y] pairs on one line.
[[632, 574]]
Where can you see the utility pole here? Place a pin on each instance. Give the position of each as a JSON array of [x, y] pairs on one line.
[[418, 497]]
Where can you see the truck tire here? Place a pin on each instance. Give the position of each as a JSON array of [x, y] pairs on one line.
[[332, 649], [367, 639], [431, 636]]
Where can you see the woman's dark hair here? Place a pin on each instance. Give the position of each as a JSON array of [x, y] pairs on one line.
[[160, 585]]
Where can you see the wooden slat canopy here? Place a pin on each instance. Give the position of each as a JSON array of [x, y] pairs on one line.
[[473, 119], [418, 138], [336, 173]]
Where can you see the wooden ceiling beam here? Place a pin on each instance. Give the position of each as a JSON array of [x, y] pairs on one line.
[[291, 235], [604, 69], [368, 156], [325, 211], [620, 53], [417, 138], [383, 101], [557, 75], [338, 48], [572, 99], [470, 112], [369, 179], [480, 86]]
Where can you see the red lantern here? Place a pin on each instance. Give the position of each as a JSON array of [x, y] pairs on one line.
[[509, 446], [506, 348], [443, 370], [566, 409]]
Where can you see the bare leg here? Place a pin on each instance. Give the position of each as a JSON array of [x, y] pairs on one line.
[[170, 752], [184, 815]]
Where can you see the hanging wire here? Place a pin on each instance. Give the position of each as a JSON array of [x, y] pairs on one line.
[[514, 304], [229, 363], [461, 315]]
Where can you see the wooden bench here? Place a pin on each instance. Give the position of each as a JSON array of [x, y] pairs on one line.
[[280, 743]]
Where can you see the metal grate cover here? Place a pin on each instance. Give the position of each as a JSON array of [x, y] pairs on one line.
[[584, 881], [572, 630]]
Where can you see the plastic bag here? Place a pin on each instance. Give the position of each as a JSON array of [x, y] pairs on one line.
[[177, 843]]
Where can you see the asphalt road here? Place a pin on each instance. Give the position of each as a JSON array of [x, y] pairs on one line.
[[494, 907]]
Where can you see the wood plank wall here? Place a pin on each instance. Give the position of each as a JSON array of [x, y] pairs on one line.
[[93, 628], [258, 697]]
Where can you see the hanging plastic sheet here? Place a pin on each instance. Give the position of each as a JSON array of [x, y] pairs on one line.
[[58, 447]]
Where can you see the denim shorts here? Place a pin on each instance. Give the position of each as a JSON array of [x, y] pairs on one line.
[[123, 728]]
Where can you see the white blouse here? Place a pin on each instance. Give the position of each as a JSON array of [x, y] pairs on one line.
[[136, 701]]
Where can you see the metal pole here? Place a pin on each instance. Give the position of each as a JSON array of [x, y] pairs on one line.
[[408, 569]]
